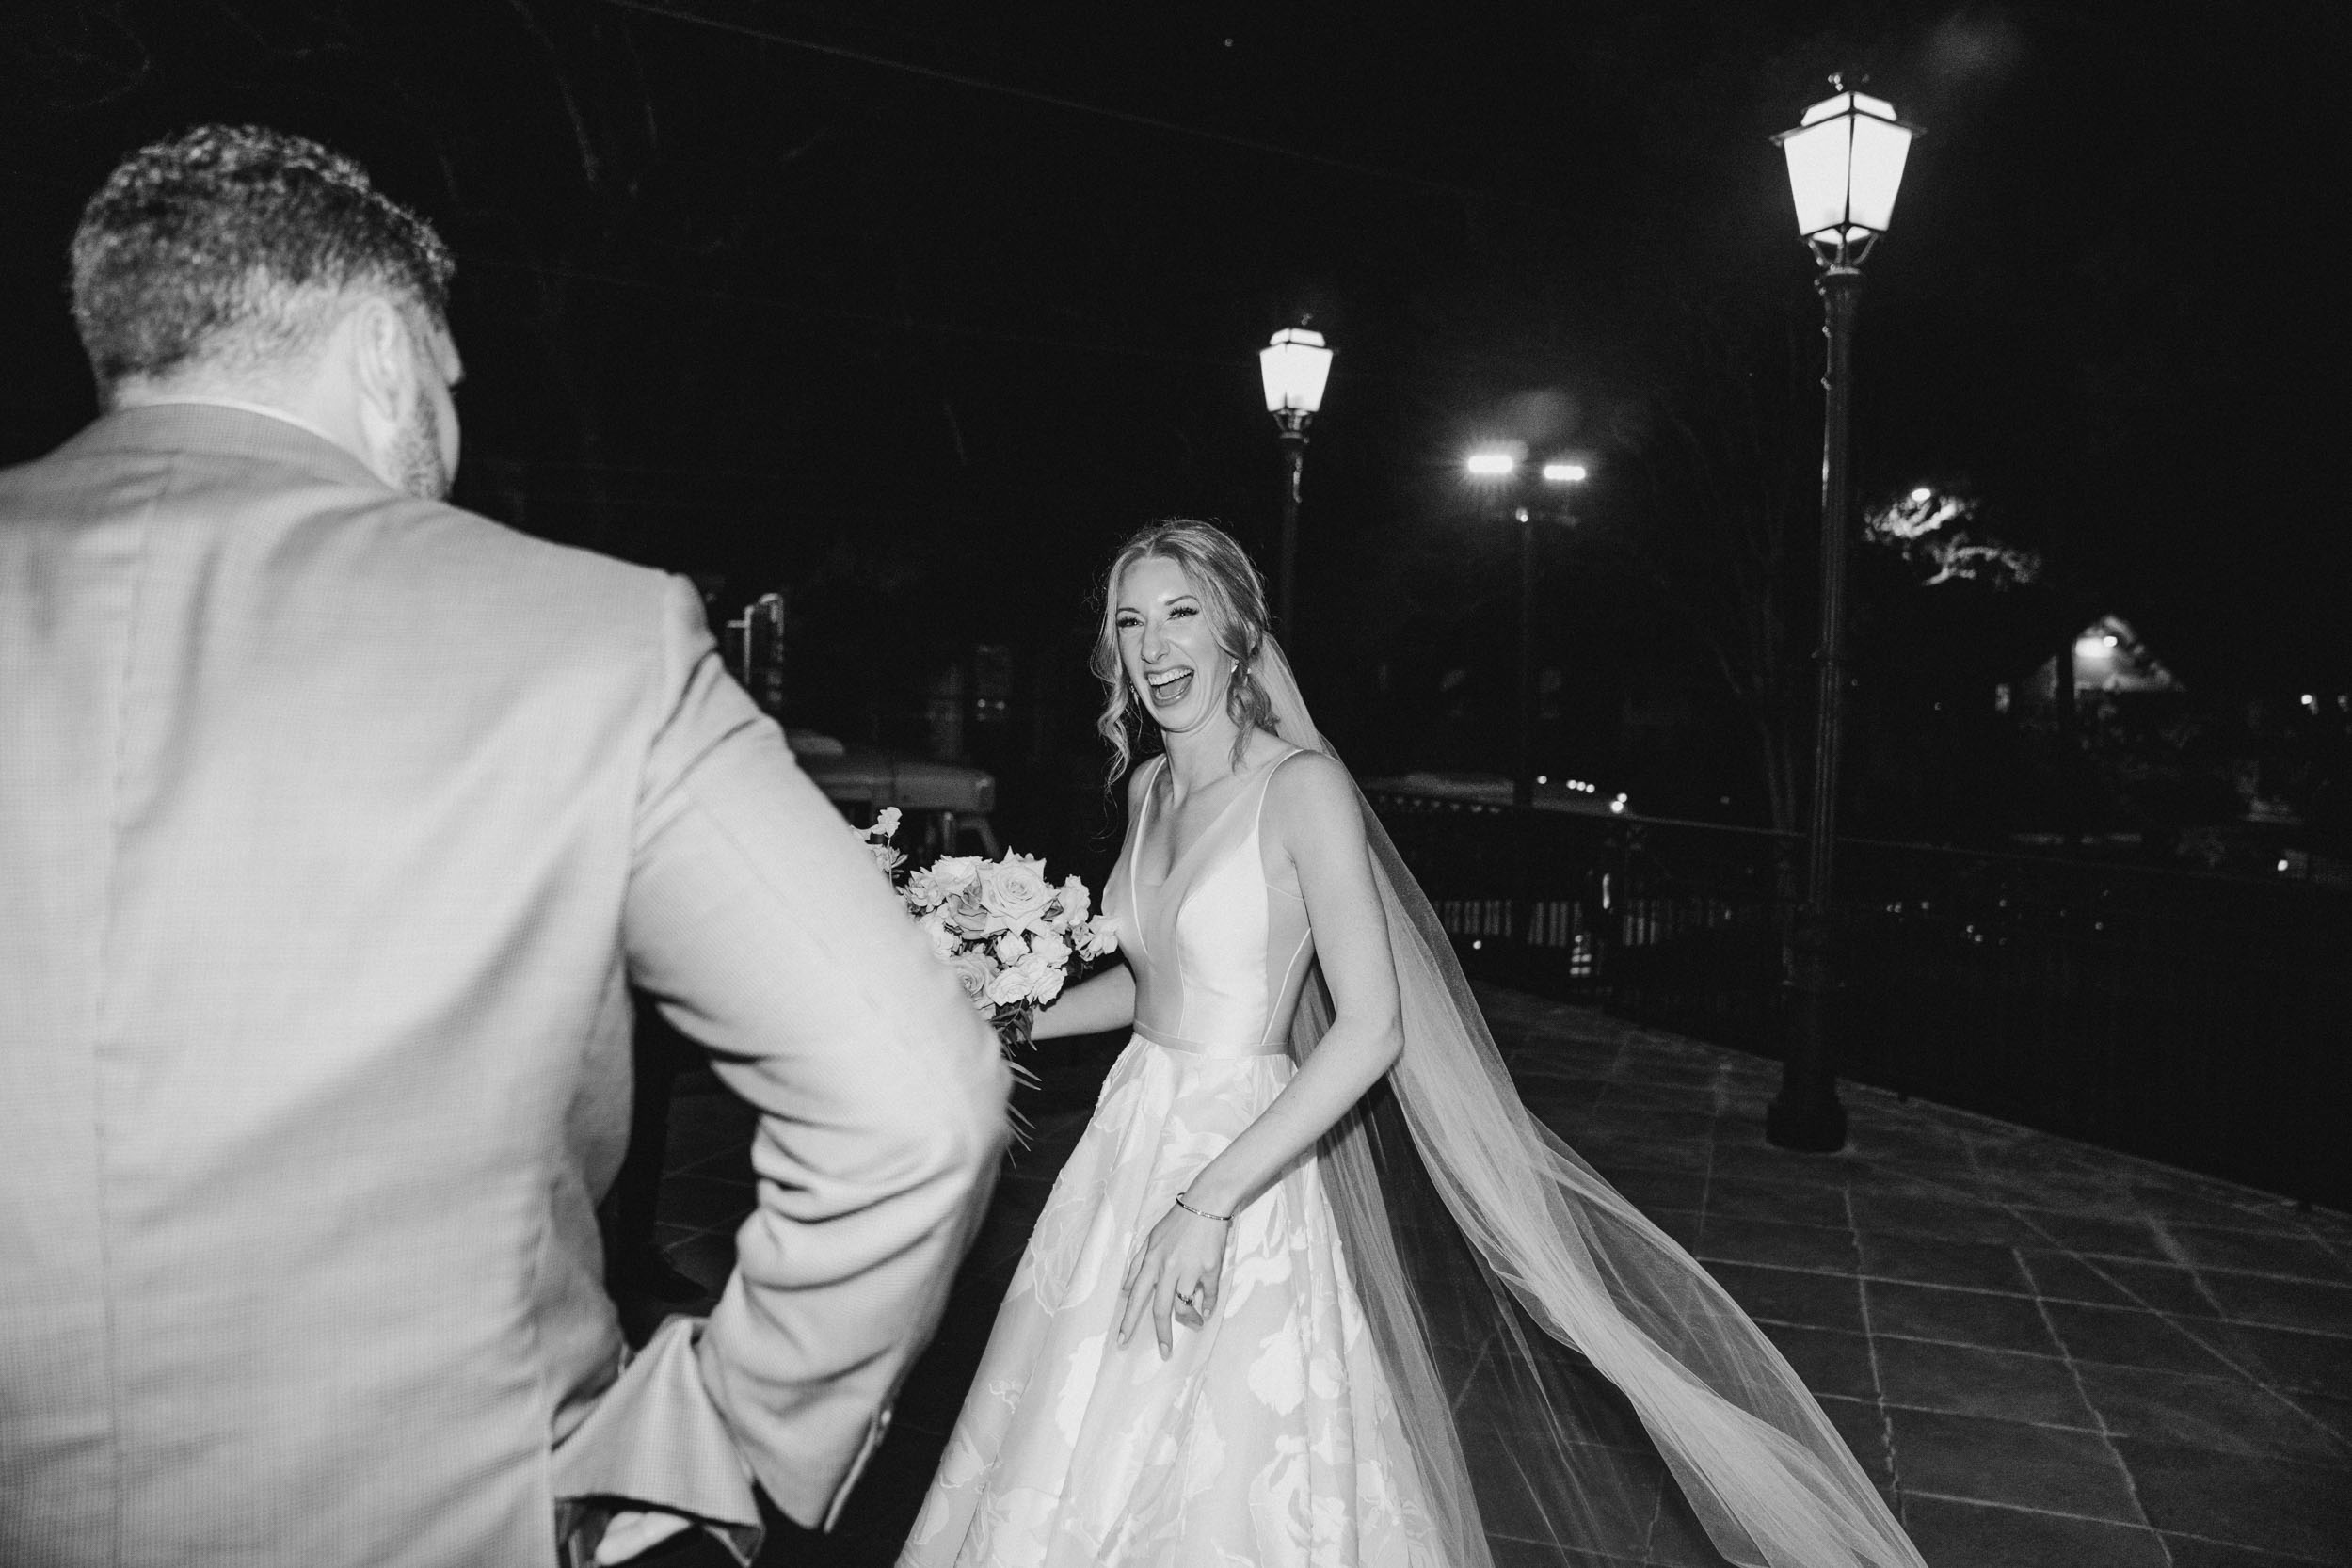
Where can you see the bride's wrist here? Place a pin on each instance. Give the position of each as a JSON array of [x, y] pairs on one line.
[[1210, 1201], [1198, 1211]]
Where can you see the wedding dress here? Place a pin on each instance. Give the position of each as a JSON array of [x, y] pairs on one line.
[[1439, 1330], [1268, 1436]]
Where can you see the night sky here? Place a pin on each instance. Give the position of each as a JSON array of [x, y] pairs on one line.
[[915, 309]]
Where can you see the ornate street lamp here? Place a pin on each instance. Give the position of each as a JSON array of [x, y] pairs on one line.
[[1844, 163], [1294, 367]]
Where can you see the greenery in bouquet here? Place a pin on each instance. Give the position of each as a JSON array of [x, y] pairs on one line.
[[1012, 937]]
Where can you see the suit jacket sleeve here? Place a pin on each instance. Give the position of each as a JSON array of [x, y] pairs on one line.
[[759, 922]]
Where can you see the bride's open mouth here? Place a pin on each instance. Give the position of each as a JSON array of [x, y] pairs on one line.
[[1169, 686]]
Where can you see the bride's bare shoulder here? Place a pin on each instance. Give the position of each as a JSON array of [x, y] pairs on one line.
[[1309, 789]]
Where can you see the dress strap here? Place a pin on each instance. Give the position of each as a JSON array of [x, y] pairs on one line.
[[1135, 854], [1258, 817]]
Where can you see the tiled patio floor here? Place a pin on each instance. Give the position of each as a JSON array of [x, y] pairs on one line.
[[2046, 1353]]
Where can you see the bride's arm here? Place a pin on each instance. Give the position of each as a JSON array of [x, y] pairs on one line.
[[1100, 1001], [1312, 806]]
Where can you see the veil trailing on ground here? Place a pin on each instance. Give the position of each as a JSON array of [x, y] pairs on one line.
[[1501, 1276]]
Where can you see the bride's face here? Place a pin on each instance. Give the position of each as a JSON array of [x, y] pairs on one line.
[[1168, 647]]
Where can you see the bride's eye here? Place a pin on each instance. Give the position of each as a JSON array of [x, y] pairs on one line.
[[1184, 610], [1128, 623]]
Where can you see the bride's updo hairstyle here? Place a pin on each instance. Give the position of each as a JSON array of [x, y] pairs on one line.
[[1227, 580]]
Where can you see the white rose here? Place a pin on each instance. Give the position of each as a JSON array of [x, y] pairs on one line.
[[1100, 936], [1051, 948], [977, 974], [1075, 900], [885, 823], [1010, 948], [953, 873], [1015, 890], [1010, 987], [1045, 983]]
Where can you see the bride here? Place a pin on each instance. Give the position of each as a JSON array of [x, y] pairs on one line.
[[1314, 1287]]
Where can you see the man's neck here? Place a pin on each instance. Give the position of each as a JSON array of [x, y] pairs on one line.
[[144, 399]]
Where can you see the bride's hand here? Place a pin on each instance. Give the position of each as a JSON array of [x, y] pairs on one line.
[[1173, 1275]]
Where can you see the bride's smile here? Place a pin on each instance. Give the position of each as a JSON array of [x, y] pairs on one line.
[[1168, 687]]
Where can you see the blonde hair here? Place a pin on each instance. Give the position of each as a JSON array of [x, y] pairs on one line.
[[1227, 580]]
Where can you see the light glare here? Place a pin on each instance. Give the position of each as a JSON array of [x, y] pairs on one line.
[[1492, 465], [1563, 474]]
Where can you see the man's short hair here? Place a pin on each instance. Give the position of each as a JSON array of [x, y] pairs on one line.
[[225, 244]]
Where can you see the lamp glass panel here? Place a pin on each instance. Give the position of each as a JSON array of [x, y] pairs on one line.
[[1275, 371], [1880, 147], [1295, 368], [1818, 158]]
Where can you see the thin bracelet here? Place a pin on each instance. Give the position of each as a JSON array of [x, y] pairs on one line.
[[1220, 1219]]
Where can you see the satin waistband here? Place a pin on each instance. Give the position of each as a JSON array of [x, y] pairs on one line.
[[1205, 1048]]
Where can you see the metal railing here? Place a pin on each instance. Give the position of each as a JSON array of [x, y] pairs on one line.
[[2201, 1021]]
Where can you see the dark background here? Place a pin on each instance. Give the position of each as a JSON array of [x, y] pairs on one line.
[[911, 310]]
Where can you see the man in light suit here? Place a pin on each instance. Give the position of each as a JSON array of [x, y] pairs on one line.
[[334, 824]]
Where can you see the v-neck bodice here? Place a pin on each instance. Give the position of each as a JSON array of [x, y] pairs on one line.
[[1219, 951]]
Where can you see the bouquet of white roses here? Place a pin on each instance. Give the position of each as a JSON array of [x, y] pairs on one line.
[[1011, 936]]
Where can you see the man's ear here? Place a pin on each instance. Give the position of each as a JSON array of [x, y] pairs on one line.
[[382, 358]]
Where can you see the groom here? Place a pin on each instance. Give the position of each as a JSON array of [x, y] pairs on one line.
[[335, 824]]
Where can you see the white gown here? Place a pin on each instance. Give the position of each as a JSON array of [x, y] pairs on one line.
[[1269, 1436]]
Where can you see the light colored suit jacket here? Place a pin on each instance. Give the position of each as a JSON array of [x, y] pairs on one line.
[[333, 825]]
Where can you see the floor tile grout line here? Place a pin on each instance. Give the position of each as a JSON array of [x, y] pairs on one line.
[[1878, 1381], [2106, 1434], [2043, 1513]]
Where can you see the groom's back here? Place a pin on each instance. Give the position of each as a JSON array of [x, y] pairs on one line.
[[315, 816]]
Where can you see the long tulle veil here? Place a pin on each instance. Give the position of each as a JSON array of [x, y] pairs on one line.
[[1503, 1278]]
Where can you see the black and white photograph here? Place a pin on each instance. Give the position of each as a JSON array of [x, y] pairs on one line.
[[788, 784]]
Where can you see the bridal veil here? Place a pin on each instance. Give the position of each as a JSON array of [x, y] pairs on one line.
[[1503, 1277]]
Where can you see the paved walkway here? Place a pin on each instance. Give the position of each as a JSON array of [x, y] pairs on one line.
[[2045, 1354]]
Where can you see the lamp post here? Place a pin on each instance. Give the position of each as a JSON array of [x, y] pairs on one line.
[[1522, 506], [1294, 367], [1844, 164]]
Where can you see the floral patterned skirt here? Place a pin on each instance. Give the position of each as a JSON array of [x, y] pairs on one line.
[[1267, 1438]]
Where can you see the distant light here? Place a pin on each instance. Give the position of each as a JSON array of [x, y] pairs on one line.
[[1563, 474], [1618, 804], [2107, 641], [1541, 778], [2282, 865], [1491, 465], [1923, 493], [2311, 700], [1475, 944]]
